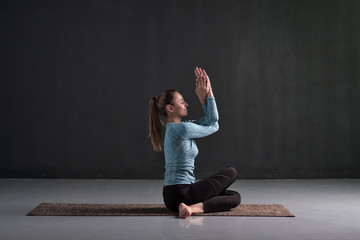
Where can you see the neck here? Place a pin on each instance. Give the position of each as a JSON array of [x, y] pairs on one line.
[[173, 119]]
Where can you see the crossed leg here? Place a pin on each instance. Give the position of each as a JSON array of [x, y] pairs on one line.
[[210, 194]]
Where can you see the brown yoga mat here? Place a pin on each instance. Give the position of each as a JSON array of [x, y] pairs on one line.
[[80, 209]]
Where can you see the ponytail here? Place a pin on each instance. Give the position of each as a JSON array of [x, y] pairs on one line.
[[155, 126], [157, 107]]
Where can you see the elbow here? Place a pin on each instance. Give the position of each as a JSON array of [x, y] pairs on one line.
[[214, 119], [216, 126]]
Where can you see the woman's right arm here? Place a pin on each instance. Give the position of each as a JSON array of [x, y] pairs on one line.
[[204, 92], [211, 113]]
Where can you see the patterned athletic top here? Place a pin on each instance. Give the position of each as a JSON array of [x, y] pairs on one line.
[[180, 148]]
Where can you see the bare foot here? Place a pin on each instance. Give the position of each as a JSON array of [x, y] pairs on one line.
[[184, 210]]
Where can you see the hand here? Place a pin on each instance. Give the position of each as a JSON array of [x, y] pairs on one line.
[[203, 86]]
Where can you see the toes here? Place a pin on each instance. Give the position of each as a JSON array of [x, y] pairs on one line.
[[184, 211]]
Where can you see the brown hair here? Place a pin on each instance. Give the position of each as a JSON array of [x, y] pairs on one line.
[[158, 107]]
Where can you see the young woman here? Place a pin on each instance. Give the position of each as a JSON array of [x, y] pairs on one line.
[[181, 193]]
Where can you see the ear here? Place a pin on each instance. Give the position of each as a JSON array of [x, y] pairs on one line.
[[169, 108]]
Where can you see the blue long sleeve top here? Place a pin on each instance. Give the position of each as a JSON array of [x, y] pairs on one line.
[[180, 148]]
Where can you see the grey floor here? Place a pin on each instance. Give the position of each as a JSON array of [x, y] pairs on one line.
[[324, 209]]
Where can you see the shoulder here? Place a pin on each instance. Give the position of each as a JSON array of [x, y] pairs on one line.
[[181, 125], [181, 128]]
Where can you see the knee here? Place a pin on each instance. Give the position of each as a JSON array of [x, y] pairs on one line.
[[232, 173], [236, 198]]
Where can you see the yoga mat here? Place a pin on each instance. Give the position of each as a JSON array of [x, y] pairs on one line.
[[81, 209]]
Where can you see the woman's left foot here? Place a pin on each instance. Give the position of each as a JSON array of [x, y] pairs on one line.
[[184, 210]]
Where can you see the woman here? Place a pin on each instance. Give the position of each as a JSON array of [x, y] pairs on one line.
[[181, 193]]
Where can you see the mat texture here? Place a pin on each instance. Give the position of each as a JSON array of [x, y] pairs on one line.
[[80, 209]]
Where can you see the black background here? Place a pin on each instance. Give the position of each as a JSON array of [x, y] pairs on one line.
[[77, 76]]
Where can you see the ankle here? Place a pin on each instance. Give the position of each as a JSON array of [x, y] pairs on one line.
[[197, 208]]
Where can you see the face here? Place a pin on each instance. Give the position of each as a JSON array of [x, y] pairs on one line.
[[180, 106]]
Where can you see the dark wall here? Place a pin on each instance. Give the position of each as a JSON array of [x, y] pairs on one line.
[[77, 76]]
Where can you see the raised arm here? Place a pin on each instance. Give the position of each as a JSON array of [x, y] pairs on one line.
[[191, 130]]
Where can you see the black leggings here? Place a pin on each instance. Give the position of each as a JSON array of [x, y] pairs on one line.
[[211, 192]]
